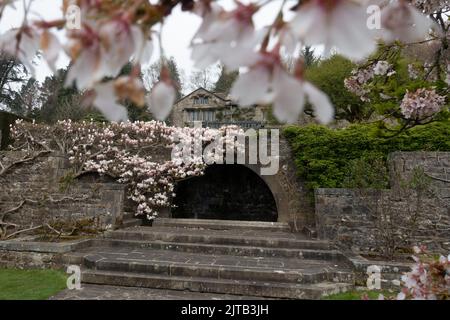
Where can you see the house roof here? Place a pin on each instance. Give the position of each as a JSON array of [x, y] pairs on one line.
[[220, 95]]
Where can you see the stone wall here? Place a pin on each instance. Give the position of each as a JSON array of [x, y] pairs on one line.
[[47, 179], [47, 194], [351, 217], [436, 166]]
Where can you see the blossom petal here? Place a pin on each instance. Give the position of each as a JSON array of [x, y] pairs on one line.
[[84, 70], [323, 108], [203, 55], [51, 48], [161, 100], [353, 38], [143, 48], [251, 87], [289, 99], [105, 101]]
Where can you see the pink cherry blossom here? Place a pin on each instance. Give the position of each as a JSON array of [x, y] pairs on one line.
[[22, 43], [267, 82], [421, 104], [162, 99], [382, 68], [101, 50], [51, 48], [337, 24], [226, 36], [106, 102], [402, 21]]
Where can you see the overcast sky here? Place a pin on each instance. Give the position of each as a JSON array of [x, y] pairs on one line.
[[177, 33]]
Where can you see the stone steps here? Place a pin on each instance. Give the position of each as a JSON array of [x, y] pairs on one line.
[[163, 262], [131, 222], [319, 254], [259, 259], [222, 224], [208, 285], [219, 237]]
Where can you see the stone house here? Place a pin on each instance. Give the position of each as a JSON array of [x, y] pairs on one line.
[[215, 109]]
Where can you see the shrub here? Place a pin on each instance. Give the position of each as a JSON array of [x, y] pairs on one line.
[[326, 157]]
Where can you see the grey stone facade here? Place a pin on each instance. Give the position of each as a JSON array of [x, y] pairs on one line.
[[345, 215], [213, 108]]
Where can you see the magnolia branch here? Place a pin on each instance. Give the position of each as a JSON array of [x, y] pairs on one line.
[[25, 159], [4, 225], [436, 178]]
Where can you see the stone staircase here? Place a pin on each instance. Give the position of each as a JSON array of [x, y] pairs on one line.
[[260, 259]]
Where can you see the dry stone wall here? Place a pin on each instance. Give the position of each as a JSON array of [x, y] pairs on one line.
[[46, 193], [347, 215]]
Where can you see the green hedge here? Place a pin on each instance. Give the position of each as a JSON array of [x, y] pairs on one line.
[[325, 157]]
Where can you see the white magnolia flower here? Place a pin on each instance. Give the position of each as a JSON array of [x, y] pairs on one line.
[[268, 82], [105, 100], [402, 21], [335, 24], [161, 100]]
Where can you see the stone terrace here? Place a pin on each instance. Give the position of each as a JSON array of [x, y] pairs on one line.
[[217, 257]]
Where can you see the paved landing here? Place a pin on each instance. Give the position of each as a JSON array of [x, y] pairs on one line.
[[147, 256], [105, 292], [242, 233]]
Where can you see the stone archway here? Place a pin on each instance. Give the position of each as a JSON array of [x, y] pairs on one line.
[[227, 192]]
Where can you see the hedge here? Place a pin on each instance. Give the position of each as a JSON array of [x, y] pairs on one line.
[[324, 157]]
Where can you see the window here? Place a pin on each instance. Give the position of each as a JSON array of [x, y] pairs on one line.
[[201, 115], [201, 100]]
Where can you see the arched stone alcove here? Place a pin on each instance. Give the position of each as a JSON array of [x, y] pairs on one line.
[[228, 192]]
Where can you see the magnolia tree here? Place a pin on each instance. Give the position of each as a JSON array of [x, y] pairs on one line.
[[102, 36], [127, 152]]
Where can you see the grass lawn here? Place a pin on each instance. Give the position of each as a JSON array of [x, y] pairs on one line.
[[357, 295], [30, 284]]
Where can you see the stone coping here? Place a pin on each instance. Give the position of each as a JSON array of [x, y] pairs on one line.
[[343, 191], [360, 263], [43, 247]]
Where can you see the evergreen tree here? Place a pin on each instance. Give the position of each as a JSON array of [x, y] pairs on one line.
[[225, 81], [309, 57], [153, 73], [135, 112], [12, 75], [26, 101], [59, 101]]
